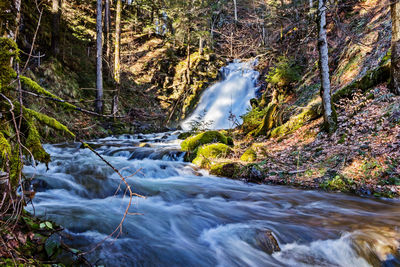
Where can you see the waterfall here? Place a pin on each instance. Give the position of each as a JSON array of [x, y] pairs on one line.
[[221, 105]]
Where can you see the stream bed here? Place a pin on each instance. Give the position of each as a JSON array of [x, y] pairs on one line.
[[190, 218]]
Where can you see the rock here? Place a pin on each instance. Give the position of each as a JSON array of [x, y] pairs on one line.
[[267, 242], [192, 143], [227, 169], [207, 153], [249, 155], [144, 145]]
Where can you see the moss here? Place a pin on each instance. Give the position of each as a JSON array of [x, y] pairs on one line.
[[192, 143], [32, 85], [268, 121], [34, 145], [249, 155], [8, 49], [185, 135], [225, 169], [335, 184], [311, 112], [207, 153], [369, 80], [5, 149], [51, 122]]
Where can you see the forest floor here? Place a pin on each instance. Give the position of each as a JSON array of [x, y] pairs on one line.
[[362, 156]]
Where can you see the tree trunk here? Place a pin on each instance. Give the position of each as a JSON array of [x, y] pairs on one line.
[[55, 29], [201, 45], [117, 64], [188, 59], [107, 24], [99, 59], [395, 66], [235, 6], [329, 114], [17, 6]]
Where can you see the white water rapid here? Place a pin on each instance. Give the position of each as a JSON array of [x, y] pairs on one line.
[[191, 218], [222, 104]]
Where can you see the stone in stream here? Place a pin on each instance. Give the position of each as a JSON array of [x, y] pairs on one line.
[[267, 242]]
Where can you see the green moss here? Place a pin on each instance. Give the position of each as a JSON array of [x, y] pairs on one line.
[[34, 145], [285, 73], [225, 169], [51, 122], [335, 184], [311, 112], [207, 153], [192, 143], [369, 80], [249, 155], [268, 122], [35, 87], [185, 135], [5, 149], [8, 49]]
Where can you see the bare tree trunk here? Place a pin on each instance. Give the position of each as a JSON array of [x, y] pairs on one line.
[[55, 29], [99, 59], [117, 64], [201, 45], [188, 58], [107, 24], [235, 6], [395, 66], [329, 114]]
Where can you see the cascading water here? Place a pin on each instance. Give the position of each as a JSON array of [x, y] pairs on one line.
[[190, 218], [222, 104]]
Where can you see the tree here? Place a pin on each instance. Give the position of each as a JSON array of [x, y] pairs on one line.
[[55, 30], [99, 59], [117, 64], [329, 113], [395, 67], [107, 24]]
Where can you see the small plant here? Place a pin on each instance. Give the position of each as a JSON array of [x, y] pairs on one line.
[[252, 119], [198, 124], [284, 73]]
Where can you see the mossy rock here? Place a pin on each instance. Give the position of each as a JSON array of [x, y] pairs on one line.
[[185, 135], [311, 112], [207, 153], [192, 143], [249, 155], [225, 169]]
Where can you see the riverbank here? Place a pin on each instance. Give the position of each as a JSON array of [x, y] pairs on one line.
[[362, 157]]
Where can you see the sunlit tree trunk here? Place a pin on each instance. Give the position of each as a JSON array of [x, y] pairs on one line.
[[235, 6], [99, 59], [107, 23], [117, 64], [55, 29], [329, 115], [395, 67]]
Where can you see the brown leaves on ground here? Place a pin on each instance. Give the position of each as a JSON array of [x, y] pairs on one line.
[[364, 152]]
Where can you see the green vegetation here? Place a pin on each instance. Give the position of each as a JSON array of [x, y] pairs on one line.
[[207, 153], [192, 143], [249, 155], [285, 73]]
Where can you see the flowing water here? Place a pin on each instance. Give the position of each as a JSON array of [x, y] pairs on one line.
[[222, 104], [190, 218]]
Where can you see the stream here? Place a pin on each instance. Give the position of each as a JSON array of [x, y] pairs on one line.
[[191, 218]]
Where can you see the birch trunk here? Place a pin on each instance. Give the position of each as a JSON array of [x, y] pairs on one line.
[[99, 59], [329, 115], [235, 5], [395, 66]]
